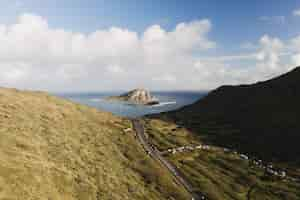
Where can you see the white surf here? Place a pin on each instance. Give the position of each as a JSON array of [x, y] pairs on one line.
[[164, 103]]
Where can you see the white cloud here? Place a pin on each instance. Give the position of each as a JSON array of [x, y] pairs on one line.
[[213, 73], [33, 55], [115, 69], [268, 55], [273, 58], [295, 47], [273, 19], [187, 37], [248, 45], [79, 61], [166, 78], [296, 59], [295, 43], [296, 12], [15, 72]]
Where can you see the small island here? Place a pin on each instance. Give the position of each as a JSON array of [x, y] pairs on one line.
[[137, 96]]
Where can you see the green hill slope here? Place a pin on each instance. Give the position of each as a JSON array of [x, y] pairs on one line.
[[218, 173], [51, 148], [261, 118]]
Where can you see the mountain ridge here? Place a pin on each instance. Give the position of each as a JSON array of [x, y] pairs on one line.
[[259, 118]]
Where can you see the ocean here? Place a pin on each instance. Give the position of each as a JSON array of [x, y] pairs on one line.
[[168, 101]]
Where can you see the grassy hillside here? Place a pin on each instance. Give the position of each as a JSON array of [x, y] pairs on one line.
[[219, 174], [261, 119], [51, 148]]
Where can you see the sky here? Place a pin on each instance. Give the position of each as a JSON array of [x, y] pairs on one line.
[[105, 45]]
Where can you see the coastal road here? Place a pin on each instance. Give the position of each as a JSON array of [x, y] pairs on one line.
[[155, 154]]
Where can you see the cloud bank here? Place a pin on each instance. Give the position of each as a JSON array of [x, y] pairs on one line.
[[273, 19], [35, 56], [296, 12]]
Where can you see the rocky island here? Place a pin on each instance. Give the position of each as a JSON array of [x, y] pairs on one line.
[[137, 96]]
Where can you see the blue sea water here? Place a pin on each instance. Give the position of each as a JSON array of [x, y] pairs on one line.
[[168, 101]]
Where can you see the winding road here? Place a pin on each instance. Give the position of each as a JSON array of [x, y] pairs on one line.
[[155, 154]]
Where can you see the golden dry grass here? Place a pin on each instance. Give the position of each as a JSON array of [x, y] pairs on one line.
[[53, 149]]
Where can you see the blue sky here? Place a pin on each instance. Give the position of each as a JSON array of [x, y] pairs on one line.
[[235, 18], [209, 42]]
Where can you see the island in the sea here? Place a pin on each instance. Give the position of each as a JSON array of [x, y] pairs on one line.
[[137, 96]]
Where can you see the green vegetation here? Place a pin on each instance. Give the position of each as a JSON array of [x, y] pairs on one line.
[[166, 135], [55, 149], [218, 174], [261, 119]]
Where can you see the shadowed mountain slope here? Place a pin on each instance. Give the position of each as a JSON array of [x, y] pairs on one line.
[[262, 118]]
